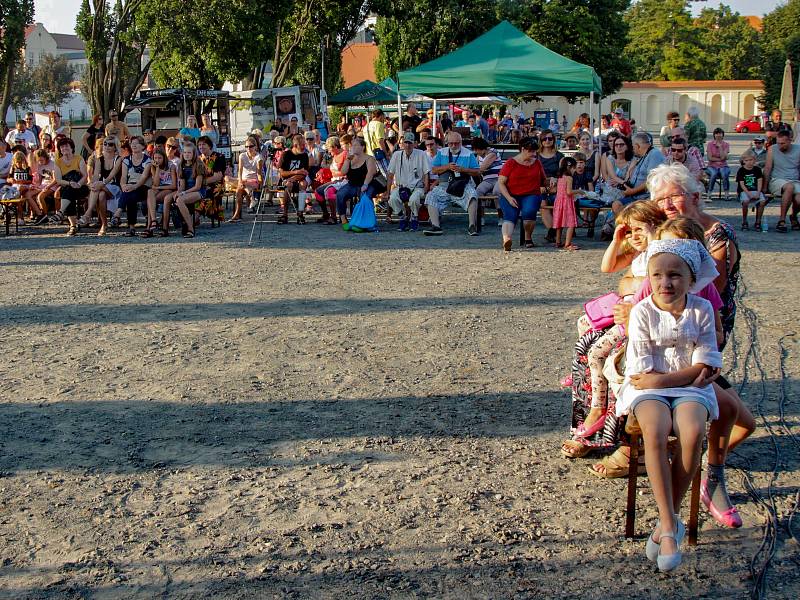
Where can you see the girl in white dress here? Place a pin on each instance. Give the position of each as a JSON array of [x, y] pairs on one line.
[[672, 358]]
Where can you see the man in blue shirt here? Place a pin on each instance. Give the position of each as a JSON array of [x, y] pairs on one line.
[[453, 162]]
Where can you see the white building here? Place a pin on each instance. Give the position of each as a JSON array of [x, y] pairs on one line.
[[721, 103]]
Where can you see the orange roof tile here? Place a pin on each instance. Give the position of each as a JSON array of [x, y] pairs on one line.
[[731, 84]]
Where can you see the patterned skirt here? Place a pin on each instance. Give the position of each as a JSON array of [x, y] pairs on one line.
[[614, 427]]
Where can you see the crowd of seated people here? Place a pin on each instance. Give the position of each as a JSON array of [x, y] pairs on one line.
[[112, 172]]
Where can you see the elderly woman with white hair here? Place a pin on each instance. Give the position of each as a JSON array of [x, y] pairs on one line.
[[677, 193]]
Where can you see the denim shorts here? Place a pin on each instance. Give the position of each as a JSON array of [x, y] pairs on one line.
[[528, 207], [673, 401]]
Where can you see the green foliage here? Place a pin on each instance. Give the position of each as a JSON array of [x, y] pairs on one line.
[[51, 80], [588, 31], [15, 16], [24, 92], [591, 32], [203, 44], [115, 44], [310, 26], [666, 42], [781, 37], [412, 32]]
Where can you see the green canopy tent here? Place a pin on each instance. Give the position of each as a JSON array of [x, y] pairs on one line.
[[503, 61], [364, 93]]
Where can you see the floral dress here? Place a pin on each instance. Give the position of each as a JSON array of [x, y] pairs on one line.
[[211, 205]]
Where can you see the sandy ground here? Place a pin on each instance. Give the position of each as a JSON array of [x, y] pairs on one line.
[[332, 415]]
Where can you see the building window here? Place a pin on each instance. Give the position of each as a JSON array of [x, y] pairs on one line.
[[622, 103]]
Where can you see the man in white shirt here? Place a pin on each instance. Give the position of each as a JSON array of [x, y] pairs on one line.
[[21, 135], [408, 181]]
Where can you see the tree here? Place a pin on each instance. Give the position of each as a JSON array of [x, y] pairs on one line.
[[663, 41], [24, 92], [208, 43], [733, 46], [409, 32], [15, 16], [51, 80], [327, 26], [781, 40], [592, 32], [589, 31], [115, 46]]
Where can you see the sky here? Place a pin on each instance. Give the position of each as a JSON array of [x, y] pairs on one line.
[[58, 16]]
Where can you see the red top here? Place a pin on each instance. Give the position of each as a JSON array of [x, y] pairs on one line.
[[622, 125], [524, 179]]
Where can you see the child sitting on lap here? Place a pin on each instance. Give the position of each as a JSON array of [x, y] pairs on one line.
[[672, 358]]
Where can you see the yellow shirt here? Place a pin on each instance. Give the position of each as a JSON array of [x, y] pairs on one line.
[[375, 132]]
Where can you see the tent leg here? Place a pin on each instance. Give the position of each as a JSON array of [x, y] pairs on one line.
[[399, 115], [591, 119], [435, 118]]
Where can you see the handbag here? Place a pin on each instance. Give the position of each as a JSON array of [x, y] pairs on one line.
[[600, 310], [457, 185]]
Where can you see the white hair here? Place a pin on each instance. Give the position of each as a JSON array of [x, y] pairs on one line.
[[675, 174], [693, 111]]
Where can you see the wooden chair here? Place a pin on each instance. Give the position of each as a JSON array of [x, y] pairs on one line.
[[635, 432]]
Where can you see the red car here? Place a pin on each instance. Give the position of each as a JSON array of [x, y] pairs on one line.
[[751, 125]]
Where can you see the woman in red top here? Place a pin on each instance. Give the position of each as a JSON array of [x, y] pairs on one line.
[[522, 182]]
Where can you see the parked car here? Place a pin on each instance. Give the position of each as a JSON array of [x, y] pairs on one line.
[[751, 125]]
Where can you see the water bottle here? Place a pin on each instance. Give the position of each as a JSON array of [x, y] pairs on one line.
[[764, 226]]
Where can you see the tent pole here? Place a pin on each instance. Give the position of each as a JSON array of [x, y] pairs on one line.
[[591, 118], [399, 114], [435, 121]]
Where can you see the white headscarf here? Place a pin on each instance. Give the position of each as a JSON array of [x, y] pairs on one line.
[[694, 254]]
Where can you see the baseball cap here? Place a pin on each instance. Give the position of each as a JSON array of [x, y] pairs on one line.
[[310, 135], [759, 139], [571, 134], [619, 111], [408, 137]]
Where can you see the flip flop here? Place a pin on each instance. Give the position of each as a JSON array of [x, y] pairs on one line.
[[581, 432]]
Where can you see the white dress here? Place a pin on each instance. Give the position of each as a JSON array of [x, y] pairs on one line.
[[657, 341]]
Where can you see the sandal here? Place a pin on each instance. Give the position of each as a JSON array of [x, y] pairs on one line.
[[781, 227], [616, 465], [147, 233], [746, 226], [795, 223], [283, 219], [73, 230], [507, 246], [163, 233], [584, 432], [570, 248], [574, 449], [529, 244], [189, 234]]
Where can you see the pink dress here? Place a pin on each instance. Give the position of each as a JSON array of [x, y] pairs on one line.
[[564, 211]]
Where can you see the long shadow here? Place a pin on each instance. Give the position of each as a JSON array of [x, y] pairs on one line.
[[386, 573], [137, 435], [285, 307], [53, 263]]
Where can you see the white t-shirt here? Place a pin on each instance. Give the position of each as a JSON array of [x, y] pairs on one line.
[[250, 167], [26, 137], [5, 166], [409, 171]]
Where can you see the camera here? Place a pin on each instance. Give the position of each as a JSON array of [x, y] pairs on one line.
[[271, 151]]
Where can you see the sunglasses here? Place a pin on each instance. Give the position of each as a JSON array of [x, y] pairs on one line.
[[548, 139], [677, 149], [249, 146], [112, 144]]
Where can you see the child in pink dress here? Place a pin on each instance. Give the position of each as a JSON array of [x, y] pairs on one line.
[[564, 215]]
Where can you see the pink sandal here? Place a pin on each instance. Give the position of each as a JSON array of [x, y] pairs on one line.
[[582, 432], [729, 518]]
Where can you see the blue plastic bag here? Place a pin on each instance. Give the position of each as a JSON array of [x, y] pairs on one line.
[[363, 217]]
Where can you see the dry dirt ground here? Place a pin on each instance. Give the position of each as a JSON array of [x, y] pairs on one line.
[[333, 415]]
